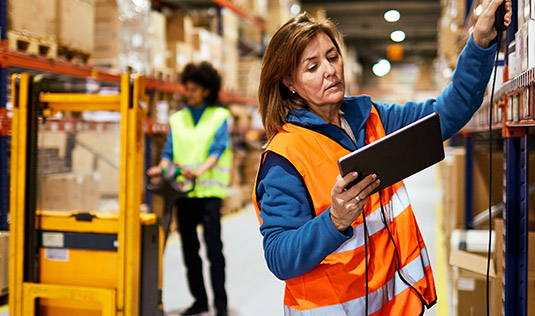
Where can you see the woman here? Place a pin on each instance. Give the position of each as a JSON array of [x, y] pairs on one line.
[[199, 143], [334, 261]]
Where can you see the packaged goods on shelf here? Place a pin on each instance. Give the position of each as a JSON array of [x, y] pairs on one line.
[[469, 284], [249, 75], [531, 43], [525, 109], [254, 7], [178, 28], [135, 37], [278, 13], [107, 34], [33, 18], [449, 38], [207, 47], [240, 115], [499, 74], [230, 24], [521, 38], [75, 24], [31, 27], [452, 170], [158, 42], [514, 62], [180, 54], [229, 67], [162, 112], [122, 37]]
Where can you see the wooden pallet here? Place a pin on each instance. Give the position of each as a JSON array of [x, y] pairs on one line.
[[74, 55], [31, 45], [164, 74]]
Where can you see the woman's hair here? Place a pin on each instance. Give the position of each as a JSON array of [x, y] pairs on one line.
[[281, 59], [205, 75]]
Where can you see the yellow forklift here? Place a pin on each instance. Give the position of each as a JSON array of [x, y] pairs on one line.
[[105, 264]]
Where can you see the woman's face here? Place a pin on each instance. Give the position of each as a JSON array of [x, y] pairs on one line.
[[195, 94], [319, 77]]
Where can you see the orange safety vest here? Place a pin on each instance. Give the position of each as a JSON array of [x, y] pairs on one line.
[[337, 286]]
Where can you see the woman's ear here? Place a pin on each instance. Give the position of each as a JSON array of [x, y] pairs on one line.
[[288, 83]]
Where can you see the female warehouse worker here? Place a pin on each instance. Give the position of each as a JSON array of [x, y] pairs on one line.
[[312, 229], [198, 142]]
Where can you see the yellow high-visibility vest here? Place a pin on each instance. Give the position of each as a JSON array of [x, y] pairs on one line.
[[190, 150]]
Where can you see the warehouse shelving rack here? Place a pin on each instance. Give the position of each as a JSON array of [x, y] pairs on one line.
[[21, 60], [509, 108]]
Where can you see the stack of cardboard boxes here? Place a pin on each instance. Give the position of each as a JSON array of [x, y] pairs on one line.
[[467, 268], [52, 28]]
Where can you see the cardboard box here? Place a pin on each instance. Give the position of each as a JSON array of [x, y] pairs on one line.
[[452, 174], [481, 179], [469, 294], [75, 24], [158, 49], [531, 43], [34, 18], [68, 192], [180, 54], [498, 226], [178, 28], [470, 280], [107, 30]]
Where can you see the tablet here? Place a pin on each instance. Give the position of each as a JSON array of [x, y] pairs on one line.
[[399, 154]]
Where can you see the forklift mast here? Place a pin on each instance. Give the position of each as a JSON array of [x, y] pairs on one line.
[[28, 291]]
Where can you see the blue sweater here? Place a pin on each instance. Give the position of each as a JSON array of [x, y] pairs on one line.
[[294, 241], [218, 145]]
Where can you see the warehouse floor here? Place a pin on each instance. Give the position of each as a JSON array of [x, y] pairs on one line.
[[251, 288]]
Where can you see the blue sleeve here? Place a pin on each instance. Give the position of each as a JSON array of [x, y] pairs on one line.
[[220, 142], [294, 241], [457, 103], [167, 152]]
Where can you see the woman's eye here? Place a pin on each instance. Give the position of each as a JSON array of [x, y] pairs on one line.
[[312, 68], [333, 58]]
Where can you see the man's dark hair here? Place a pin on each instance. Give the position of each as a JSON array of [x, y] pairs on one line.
[[206, 75]]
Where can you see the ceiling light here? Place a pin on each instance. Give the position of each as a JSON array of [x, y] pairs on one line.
[[381, 68], [398, 36], [392, 16]]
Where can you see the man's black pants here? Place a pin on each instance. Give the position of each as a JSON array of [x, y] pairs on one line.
[[206, 211]]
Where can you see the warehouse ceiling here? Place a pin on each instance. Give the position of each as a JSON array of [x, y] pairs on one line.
[[363, 26]]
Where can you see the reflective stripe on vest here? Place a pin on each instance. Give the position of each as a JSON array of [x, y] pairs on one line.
[[337, 285], [376, 299], [190, 149]]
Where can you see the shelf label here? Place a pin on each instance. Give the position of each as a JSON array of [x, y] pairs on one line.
[[57, 254], [56, 240]]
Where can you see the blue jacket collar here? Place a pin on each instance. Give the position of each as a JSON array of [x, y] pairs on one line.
[[356, 111]]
